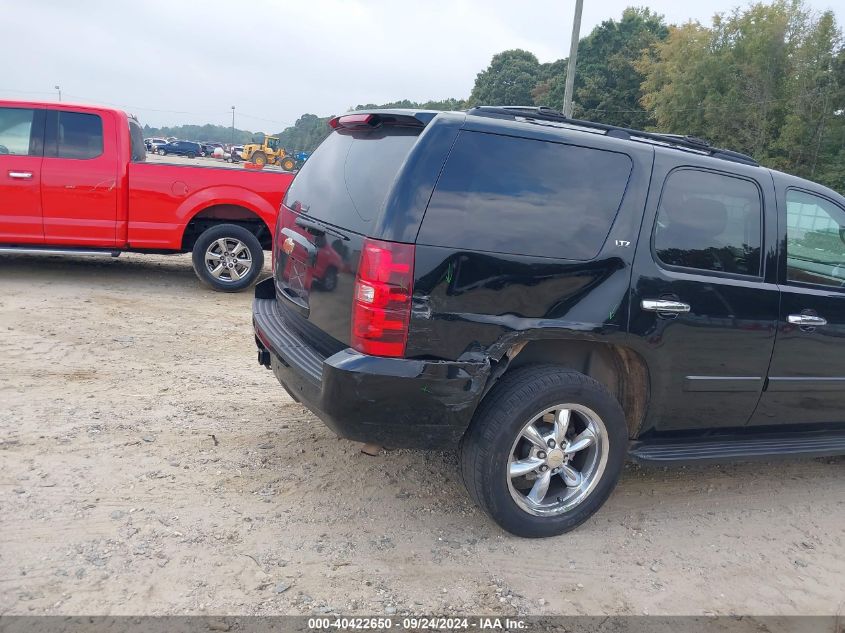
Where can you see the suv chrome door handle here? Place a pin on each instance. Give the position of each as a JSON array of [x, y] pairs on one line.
[[20, 175], [806, 319], [664, 305]]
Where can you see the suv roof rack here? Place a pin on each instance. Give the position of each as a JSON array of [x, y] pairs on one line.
[[678, 141]]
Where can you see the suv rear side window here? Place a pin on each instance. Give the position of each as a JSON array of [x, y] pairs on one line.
[[79, 135], [523, 196], [16, 130], [815, 240], [709, 221]]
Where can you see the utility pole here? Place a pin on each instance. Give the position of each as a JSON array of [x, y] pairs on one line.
[[59, 90], [573, 56], [233, 125]]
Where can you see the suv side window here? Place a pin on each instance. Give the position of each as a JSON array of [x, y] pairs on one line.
[[16, 131], [711, 222], [79, 135], [815, 230], [525, 196]]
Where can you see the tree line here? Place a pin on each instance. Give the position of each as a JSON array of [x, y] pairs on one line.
[[767, 80]]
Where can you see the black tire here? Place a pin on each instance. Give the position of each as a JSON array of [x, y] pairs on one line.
[[191, 155], [258, 158], [329, 280], [518, 397], [227, 232], [288, 164]]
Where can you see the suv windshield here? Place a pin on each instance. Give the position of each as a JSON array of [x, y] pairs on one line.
[[347, 179]]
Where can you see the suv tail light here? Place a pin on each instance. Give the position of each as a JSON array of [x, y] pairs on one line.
[[381, 305]]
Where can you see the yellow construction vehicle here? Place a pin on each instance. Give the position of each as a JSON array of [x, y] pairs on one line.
[[269, 152]]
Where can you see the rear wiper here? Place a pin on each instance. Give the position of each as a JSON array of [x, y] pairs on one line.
[[318, 227]]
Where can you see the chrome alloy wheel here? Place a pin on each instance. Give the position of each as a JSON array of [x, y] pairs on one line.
[[557, 459], [228, 259]]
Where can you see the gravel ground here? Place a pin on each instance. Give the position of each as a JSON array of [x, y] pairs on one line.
[[150, 466]]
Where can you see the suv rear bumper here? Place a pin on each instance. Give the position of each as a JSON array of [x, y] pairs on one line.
[[395, 402]]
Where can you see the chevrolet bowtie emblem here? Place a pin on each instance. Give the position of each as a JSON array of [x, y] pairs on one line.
[[287, 246]]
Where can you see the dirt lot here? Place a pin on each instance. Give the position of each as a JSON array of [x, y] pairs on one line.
[[149, 465]]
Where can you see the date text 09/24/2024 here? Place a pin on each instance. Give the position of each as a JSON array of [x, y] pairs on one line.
[[416, 623]]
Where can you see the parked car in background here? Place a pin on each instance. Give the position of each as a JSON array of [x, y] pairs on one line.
[[190, 149], [153, 144], [73, 179], [613, 293], [234, 153], [208, 148]]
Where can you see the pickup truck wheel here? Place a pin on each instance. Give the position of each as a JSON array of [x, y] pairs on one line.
[[544, 450], [191, 155], [228, 257]]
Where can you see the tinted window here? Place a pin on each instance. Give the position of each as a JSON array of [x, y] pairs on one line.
[[523, 196], [815, 229], [79, 135], [348, 177], [709, 222], [15, 131], [139, 149]]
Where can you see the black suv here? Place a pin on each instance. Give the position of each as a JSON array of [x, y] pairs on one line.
[[552, 296]]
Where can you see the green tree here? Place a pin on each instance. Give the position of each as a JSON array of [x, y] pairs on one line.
[[207, 132], [764, 80], [305, 134], [550, 85], [510, 79], [810, 138], [607, 81], [445, 104], [674, 99]]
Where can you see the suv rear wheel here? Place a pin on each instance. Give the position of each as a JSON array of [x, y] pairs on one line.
[[228, 257], [544, 450]]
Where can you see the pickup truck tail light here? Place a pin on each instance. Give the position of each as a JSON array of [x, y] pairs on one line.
[[381, 305]]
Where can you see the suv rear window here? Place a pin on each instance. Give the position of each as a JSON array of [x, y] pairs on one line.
[[524, 196], [348, 177]]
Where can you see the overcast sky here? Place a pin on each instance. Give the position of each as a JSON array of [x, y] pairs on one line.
[[189, 61]]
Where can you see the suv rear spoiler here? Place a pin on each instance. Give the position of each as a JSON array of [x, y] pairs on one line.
[[363, 119]]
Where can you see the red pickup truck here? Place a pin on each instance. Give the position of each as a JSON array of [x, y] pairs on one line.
[[73, 179]]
